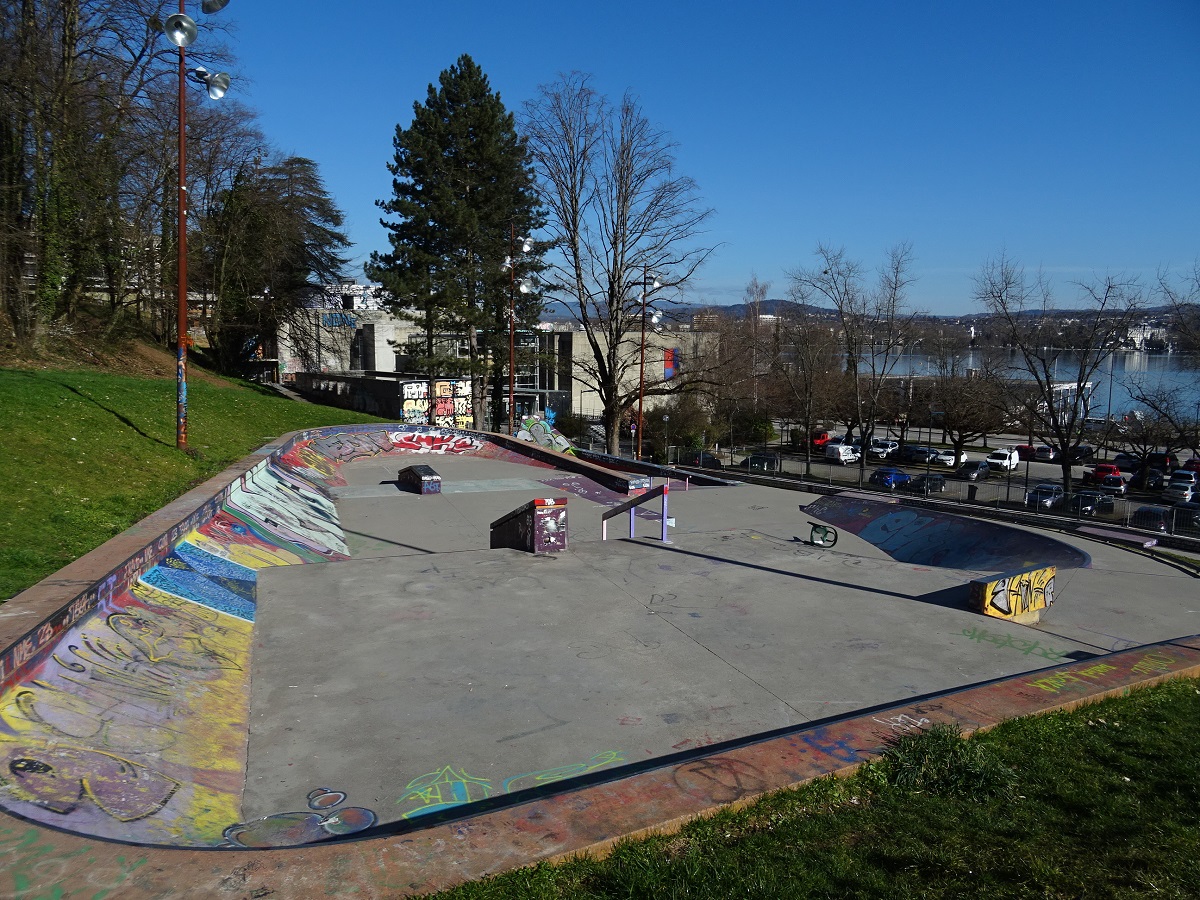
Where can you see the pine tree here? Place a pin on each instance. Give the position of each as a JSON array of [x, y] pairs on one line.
[[462, 185]]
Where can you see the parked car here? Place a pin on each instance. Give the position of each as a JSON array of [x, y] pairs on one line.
[[819, 439], [1081, 454], [1003, 460], [845, 454], [1114, 484], [1045, 496], [700, 459], [1182, 486], [1187, 517], [760, 462], [1153, 518], [1045, 453], [1026, 451], [1168, 462], [889, 477], [974, 470], [884, 449], [949, 458], [1192, 465], [1127, 462], [1099, 472], [917, 454], [926, 483], [1090, 503], [1148, 479]]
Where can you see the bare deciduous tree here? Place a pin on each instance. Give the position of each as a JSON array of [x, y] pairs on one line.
[[621, 219], [874, 323], [1051, 383]]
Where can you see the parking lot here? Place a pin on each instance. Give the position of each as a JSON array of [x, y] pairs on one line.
[[1002, 490]]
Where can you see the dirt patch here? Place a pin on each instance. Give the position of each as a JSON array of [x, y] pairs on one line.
[[132, 357]]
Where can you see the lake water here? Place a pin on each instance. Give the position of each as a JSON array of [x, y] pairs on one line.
[[1111, 387]]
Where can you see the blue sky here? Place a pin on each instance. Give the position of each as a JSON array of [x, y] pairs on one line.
[[1064, 133]]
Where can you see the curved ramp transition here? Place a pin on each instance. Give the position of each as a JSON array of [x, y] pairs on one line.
[[930, 538]]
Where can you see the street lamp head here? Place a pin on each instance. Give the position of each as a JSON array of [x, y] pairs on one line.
[[212, 6], [526, 244], [180, 30], [216, 83], [526, 287]]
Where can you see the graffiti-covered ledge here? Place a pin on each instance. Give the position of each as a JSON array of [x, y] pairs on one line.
[[125, 695]]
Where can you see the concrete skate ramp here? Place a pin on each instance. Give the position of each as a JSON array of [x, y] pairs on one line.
[[125, 700], [931, 538]]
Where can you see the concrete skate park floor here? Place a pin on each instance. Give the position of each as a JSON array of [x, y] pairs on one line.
[[429, 651]]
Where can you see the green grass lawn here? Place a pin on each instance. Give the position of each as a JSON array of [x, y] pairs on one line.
[[86, 454]]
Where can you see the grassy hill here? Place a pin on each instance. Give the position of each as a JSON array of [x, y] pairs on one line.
[[88, 452]]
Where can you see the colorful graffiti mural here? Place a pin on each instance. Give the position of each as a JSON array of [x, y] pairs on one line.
[[133, 725], [450, 406], [1018, 596], [543, 433], [91, 739]]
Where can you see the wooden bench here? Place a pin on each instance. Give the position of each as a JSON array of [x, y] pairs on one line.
[[1109, 536]]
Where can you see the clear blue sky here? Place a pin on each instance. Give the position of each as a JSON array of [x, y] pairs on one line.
[[1066, 133]]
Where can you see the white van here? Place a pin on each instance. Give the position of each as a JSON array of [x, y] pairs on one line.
[[842, 453], [1005, 459]]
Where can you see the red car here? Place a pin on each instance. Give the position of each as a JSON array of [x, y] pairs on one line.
[[1026, 451], [1099, 472], [820, 439], [1192, 465]]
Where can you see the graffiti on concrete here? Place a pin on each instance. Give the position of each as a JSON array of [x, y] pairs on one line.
[[293, 828], [30, 861], [91, 738], [449, 787], [1060, 681], [291, 514], [1015, 595], [543, 433], [1021, 645], [932, 538], [435, 441]]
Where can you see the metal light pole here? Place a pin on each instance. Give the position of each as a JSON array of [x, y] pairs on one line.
[[637, 453], [526, 246], [181, 31]]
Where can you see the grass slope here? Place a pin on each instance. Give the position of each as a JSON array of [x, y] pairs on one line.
[[88, 453]]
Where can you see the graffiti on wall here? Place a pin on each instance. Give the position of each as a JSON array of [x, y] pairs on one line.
[[289, 510], [448, 786], [90, 738], [1014, 595], [435, 441], [450, 406], [544, 434]]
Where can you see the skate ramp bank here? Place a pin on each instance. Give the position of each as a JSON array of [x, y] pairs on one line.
[[931, 538], [124, 678]]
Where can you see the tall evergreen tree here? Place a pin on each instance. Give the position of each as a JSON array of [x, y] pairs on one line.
[[462, 186]]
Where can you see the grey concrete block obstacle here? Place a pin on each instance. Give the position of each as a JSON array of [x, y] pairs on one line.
[[540, 526], [419, 479]]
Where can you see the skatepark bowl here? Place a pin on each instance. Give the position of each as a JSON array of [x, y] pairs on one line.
[[383, 660]]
